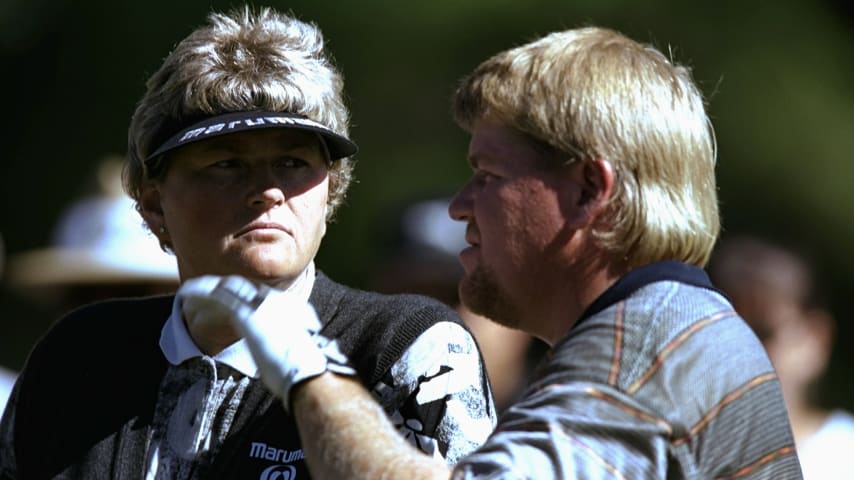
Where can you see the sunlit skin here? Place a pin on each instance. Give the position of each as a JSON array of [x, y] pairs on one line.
[[250, 203], [520, 206]]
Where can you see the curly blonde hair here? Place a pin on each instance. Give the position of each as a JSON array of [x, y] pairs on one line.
[[242, 61]]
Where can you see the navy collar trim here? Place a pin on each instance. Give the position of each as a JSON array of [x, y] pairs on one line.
[[664, 270]]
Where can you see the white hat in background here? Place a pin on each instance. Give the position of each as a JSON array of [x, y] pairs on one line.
[[100, 239]]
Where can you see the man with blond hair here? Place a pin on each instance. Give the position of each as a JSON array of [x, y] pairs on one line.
[[590, 213]]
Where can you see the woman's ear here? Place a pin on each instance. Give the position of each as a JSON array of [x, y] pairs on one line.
[[593, 185], [151, 210]]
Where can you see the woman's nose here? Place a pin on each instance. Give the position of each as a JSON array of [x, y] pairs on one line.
[[268, 198], [267, 189]]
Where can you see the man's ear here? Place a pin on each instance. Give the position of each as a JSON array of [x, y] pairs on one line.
[[594, 184]]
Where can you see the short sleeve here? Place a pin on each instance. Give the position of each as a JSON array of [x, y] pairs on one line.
[[572, 431]]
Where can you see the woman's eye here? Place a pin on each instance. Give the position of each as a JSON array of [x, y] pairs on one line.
[[291, 162], [227, 163]]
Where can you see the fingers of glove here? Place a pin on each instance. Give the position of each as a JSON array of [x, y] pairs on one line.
[[199, 286], [244, 299], [201, 314], [198, 308], [238, 295], [284, 356], [215, 295], [278, 328], [286, 308]]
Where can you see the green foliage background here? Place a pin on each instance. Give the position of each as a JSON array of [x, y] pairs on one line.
[[778, 77]]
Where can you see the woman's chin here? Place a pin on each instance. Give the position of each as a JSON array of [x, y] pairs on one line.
[[271, 272]]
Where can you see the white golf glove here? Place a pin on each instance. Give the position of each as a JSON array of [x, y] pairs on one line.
[[280, 329]]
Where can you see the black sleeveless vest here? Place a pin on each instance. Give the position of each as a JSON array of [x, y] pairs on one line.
[[87, 394]]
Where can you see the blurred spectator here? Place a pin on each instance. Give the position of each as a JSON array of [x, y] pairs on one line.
[[421, 243], [776, 290], [99, 250]]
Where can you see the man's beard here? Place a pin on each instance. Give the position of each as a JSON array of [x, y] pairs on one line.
[[481, 293]]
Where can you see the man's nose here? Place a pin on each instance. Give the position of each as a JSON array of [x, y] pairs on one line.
[[460, 206]]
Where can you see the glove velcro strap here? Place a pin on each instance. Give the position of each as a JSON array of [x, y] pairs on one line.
[[326, 357], [336, 361]]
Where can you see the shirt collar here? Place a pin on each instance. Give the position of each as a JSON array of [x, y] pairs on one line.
[[664, 270], [178, 346]]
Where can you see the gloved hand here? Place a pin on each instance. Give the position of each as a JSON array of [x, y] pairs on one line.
[[280, 329]]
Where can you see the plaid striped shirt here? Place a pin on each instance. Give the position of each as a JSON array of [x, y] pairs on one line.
[[660, 379]]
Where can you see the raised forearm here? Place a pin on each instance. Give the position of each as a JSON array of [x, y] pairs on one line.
[[345, 434]]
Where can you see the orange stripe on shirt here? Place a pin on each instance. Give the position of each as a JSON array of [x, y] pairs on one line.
[[731, 397], [673, 345], [598, 394], [618, 344], [787, 450], [592, 454]]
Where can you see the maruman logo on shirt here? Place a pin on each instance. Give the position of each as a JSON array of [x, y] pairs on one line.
[[279, 472], [266, 452]]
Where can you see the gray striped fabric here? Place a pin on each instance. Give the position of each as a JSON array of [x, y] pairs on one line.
[[669, 383]]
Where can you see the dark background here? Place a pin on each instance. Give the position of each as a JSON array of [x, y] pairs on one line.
[[778, 76]]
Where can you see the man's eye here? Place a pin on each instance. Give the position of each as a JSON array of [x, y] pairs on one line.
[[484, 176]]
